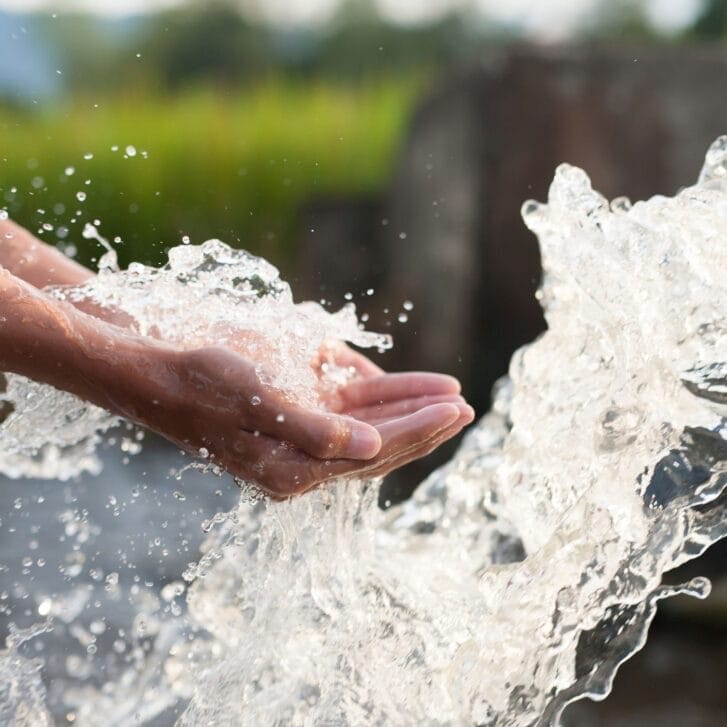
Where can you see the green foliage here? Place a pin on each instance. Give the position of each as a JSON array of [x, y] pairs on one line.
[[207, 164], [712, 21], [211, 40], [621, 20]]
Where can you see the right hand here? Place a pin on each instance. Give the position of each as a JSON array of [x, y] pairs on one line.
[[212, 399]]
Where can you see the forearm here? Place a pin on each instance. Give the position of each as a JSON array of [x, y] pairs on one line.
[[52, 342], [35, 262], [41, 265]]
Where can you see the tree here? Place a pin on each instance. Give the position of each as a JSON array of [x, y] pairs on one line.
[[712, 21]]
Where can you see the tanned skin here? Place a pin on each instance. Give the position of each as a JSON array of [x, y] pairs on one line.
[[201, 398]]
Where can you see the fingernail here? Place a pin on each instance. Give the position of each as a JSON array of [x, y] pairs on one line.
[[467, 411], [364, 443]]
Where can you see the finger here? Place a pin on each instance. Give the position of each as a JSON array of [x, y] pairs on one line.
[[380, 413], [282, 471], [383, 466], [414, 453], [345, 356], [391, 387], [397, 437], [318, 433], [393, 450]]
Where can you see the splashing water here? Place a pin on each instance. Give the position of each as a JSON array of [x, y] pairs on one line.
[[207, 294], [520, 575]]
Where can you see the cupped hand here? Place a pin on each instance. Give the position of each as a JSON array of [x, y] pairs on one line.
[[212, 400]]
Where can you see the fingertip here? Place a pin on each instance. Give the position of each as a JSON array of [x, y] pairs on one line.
[[444, 414], [364, 442], [454, 384], [466, 413]]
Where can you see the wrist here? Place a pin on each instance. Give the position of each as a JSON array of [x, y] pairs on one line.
[[52, 342], [118, 370]]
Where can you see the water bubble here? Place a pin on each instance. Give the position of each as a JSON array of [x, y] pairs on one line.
[[179, 495], [172, 590], [280, 418], [402, 317], [97, 627], [81, 196], [130, 151], [408, 305], [87, 156], [255, 400]]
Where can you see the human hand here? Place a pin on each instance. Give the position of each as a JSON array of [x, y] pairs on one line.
[[212, 399], [203, 398]]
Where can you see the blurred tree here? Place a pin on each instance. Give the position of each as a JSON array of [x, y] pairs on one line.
[[91, 50], [621, 20], [712, 21], [359, 41], [206, 40]]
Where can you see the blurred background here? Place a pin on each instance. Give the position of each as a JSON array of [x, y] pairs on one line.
[[370, 144]]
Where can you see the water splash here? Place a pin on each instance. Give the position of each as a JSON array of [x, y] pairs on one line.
[[206, 294], [520, 575]]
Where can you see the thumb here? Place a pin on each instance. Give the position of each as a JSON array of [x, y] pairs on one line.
[[325, 435]]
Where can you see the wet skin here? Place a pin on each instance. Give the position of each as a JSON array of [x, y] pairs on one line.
[[202, 398]]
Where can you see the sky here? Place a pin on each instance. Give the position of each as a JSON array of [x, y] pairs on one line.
[[541, 19]]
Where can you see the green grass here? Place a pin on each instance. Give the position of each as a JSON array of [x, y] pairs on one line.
[[236, 167]]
